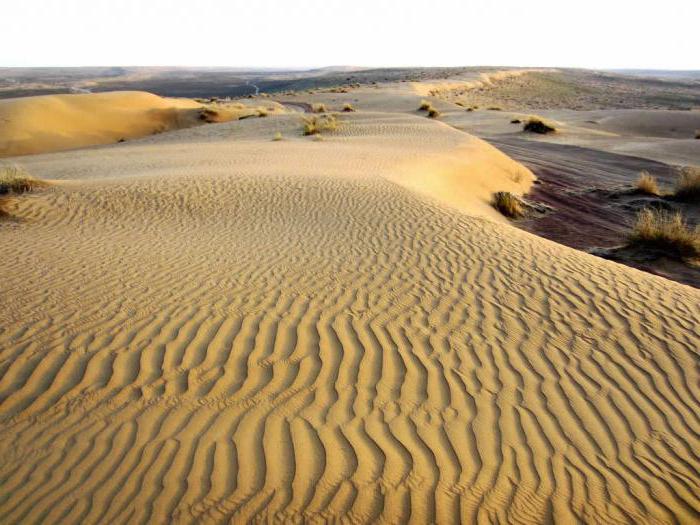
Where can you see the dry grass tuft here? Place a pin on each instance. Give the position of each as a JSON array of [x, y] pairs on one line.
[[433, 113], [277, 137], [319, 108], [347, 108], [688, 185], [14, 179], [662, 230], [508, 204], [647, 184], [314, 125], [425, 106], [537, 125]]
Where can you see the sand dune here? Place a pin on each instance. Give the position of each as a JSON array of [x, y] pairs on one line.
[[59, 122], [208, 326]]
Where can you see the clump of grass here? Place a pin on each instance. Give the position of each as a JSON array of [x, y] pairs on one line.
[[314, 125], [347, 108], [688, 185], [647, 184], [277, 137], [667, 232], [433, 113], [319, 108], [425, 106], [537, 125], [508, 204], [14, 179]]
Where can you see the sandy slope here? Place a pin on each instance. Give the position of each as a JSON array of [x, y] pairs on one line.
[[58, 122], [210, 326]]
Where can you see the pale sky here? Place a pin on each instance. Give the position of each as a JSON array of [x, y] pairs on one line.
[[660, 34]]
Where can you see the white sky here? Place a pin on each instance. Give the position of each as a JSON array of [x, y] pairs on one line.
[[294, 33]]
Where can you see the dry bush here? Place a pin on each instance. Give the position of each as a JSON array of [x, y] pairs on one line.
[[425, 106], [14, 179], [433, 113], [347, 108], [665, 231], [319, 108], [508, 204], [537, 125], [277, 137], [647, 184], [314, 125], [688, 185]]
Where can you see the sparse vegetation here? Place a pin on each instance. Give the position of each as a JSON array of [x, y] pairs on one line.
[[666, 232], [319, 108], [470, 109], [508, 204], [425, 106], [516, 121], [537, 125], [314, 125], [262, 112], [348, 108], [688, 185], [14, 179], [433, 113], [647, 184], [277, 137]]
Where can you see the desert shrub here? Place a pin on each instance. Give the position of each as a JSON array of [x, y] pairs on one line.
[[208, 115], [537, 125], [277, 137], [508, 204], [647, 184], [319, 108], [314, 125], [433, 113], [14, 179], [665, 231], [688, 185], [347, 107], [425, 106]]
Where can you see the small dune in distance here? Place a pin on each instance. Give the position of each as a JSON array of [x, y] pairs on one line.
[[349, 295]]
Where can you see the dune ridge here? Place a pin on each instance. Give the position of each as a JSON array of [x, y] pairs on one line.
[[215, 327]]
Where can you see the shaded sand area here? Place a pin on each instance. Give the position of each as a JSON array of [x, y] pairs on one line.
[[211, 326]]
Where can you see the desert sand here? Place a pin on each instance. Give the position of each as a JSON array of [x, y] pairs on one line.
[[211, 326]]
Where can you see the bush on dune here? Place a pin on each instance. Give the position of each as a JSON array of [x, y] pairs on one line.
[[647, 184], [348, 108], [425, 106], [433, 113], [319, 108], [314, 125], [508, 204], [688, 185], [14, 179], [537, 125], [667, 232]]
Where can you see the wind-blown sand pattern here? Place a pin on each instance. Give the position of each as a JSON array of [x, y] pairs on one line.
[[208, 326]]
